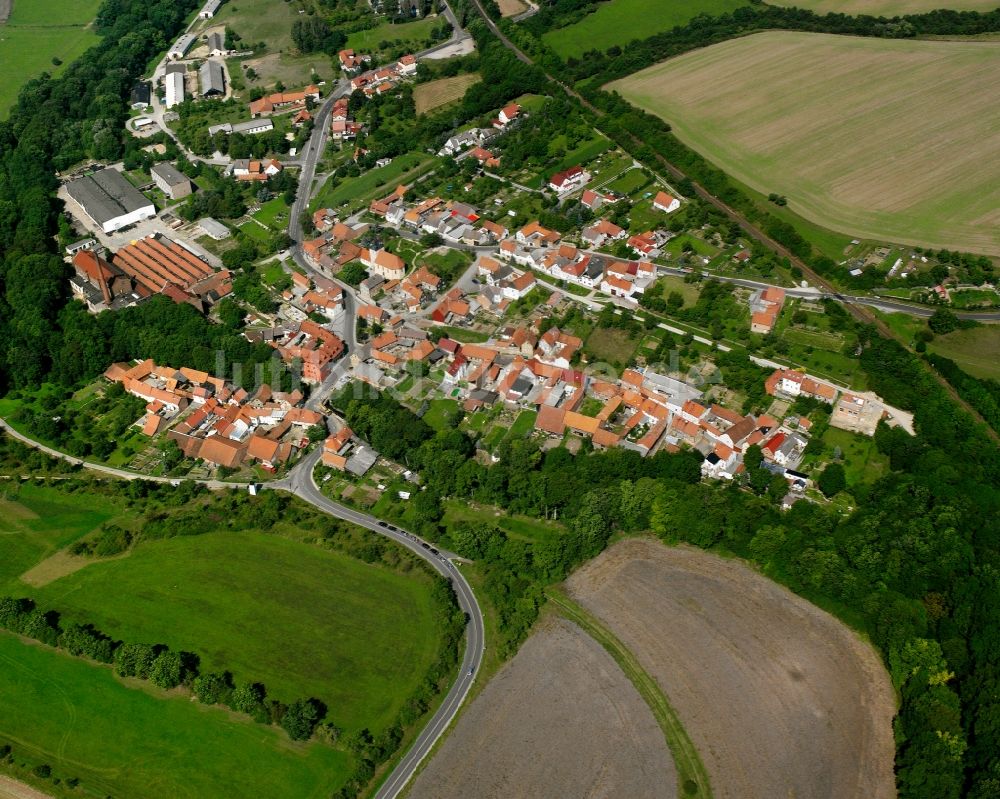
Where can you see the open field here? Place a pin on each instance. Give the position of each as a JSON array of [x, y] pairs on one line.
[[888, 8], [975, 350], [124, 741], [407, 33], [36, 32], [813, 117], [560, 719], [231, 598], [621, 21], [373, 183], [511, 8], [40, 522], [779, 698], [428, 96]]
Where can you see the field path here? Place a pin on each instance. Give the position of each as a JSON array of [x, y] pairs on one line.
[[6, 6], [12, 789], [780, 699]]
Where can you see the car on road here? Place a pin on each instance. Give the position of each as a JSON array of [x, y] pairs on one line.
[[382, 524]]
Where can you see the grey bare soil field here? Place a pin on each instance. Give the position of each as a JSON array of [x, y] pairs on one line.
[[780, 698], [559, 720]]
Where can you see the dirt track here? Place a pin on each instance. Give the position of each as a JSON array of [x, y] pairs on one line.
[[559, 720], [782, 701], [6, 6], [12, 789]]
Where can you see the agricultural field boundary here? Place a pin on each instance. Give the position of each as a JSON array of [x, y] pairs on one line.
[[692, 776]]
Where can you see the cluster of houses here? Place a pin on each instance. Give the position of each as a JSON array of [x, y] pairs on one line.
[[342, 127], [855, 412], [453, 221], [214, 421], [384, 79], [253, 169], [538, 248]]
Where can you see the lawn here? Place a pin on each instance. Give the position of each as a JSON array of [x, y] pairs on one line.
[[863, 463], [620, 21], [462, 334], [584, 152], [523, 425], [610, 345], [800, 115], [672, 283], [407, 33], [273, 213], [435, 93], [38, 31], [974, 350], [629, 183], [302, 620], [123, 741], [440, 412], [373, 183]]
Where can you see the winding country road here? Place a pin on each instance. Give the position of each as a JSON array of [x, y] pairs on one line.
[[301, 484]]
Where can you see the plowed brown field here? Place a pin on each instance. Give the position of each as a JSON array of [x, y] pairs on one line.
[[559, 720], [781, 700]]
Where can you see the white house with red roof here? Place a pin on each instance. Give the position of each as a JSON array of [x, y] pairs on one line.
[[664, 202], [569, 179]]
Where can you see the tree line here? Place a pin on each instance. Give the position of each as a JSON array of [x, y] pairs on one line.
[[165, 668]]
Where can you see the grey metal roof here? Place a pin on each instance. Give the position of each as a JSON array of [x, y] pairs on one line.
[[183, 44], [212, 78], [106, 195], [253, 124], [213, 228], [216, 41], [169, 173]]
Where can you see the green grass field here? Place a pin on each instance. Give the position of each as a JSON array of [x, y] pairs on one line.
[[524, 527], [40, 522], [303, 621], [800, 115], [618, 22], [863, 463], [38, 31], [271, 212], [408, 33], [124, 741], [974, 350], [439, 411], [523, 425], [888, 8], [371, 184]]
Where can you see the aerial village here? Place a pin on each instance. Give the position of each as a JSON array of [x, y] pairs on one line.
[[560, 305]]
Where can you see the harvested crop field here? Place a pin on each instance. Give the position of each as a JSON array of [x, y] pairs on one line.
[[561, 719], [780, 699], [431, 95], [884, 139], [511, 8]]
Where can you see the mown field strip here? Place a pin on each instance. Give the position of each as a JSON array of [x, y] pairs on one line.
[[840, 125], [692, 776]]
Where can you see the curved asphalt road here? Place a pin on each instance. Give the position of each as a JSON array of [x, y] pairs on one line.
[[300, 483]]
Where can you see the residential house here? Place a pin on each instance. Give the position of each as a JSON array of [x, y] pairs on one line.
[[664, 202]]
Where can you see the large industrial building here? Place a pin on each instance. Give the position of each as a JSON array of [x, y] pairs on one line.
[[110, 200]]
